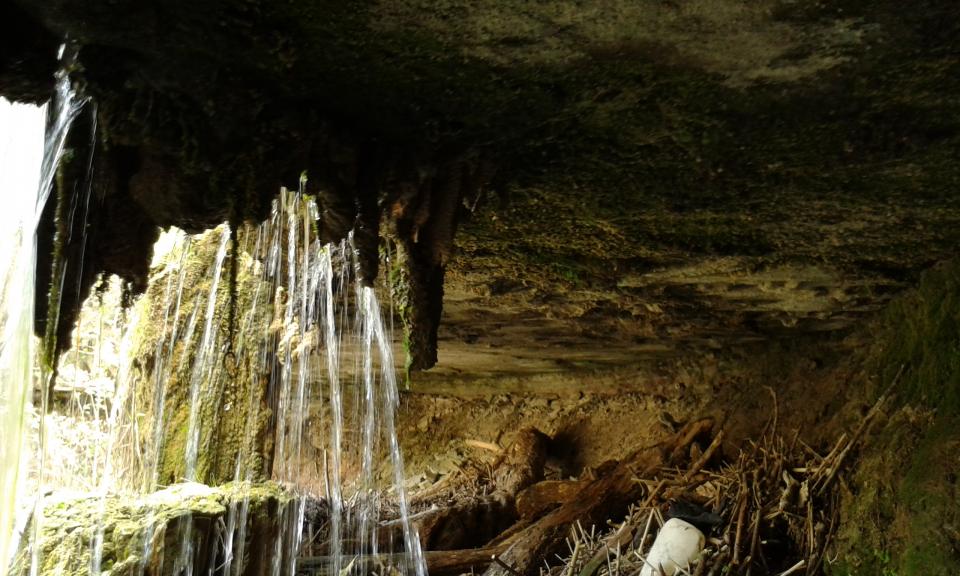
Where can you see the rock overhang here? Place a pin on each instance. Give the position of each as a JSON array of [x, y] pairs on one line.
[[625, 145]]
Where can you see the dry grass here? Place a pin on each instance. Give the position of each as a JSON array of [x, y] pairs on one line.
[[777, 500]]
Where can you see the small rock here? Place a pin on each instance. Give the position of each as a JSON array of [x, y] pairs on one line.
[[424, 423], [538, 402]]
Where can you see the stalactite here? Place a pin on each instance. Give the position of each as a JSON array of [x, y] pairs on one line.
[[425, 224]]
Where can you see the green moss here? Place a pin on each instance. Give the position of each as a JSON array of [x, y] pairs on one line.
[[901, 519], [921, 332], [49, 351], [225, 403], [72, 524], [932, 500], [903, 513]]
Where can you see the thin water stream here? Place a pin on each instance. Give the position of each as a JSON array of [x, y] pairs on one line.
[[21, 146], [31, 145]]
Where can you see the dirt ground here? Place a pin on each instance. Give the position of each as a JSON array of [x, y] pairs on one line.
[[596, 417], [896, 491]]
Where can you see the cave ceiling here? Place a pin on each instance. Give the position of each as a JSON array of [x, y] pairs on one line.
[[586, 185]]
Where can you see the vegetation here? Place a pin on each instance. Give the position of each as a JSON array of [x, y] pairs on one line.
[[902, 514]]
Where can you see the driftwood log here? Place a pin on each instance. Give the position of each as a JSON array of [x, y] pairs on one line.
[[439, 563], [537, 499]]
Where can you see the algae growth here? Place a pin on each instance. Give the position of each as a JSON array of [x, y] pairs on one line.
[[146, 531], [902, 510]]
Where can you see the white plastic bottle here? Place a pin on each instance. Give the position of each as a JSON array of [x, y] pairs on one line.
[[678, 545]]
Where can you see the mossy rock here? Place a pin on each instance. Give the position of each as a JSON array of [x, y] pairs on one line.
[[902, 513], [920, 333], [231, 413], [151, 532], [901, 516]]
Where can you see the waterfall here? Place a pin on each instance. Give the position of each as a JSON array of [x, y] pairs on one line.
[[255, 355], [31, 144], [374, 331], [281, 371], [329, 317], [21, 146], [204, 367]]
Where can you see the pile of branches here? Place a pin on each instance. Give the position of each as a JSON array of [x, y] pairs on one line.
[[774, 508]]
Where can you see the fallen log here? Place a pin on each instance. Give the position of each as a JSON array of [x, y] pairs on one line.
[[460, 561], [538, 498], [470, 524], [522, 463]]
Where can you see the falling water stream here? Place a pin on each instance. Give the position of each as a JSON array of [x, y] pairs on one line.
[[262, 321], [31, 144], [21, 145]]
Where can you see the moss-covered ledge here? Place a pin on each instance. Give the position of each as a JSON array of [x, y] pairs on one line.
[[147, 531]]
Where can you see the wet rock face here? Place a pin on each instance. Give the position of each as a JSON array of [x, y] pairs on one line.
[[631, 144], [215, 106], [91, 226]]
